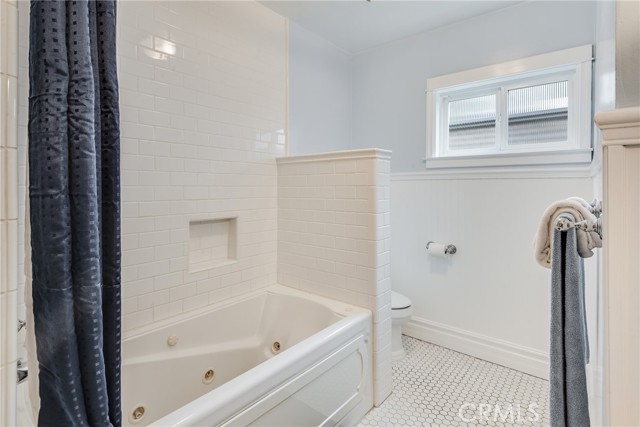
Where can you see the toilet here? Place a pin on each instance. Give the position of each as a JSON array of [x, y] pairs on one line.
[[401, 311]]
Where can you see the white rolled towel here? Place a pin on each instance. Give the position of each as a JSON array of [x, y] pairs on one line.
[[543, 241], [582, 201]]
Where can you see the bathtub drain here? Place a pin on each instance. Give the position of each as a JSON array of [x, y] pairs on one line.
[[275, 348], [208, 376]]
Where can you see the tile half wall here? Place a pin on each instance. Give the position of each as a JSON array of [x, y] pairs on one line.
[[334, 237]]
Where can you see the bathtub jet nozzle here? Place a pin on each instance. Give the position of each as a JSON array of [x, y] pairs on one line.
[[137, 414], [208, 376]]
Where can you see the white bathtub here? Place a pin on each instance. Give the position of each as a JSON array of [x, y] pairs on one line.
[[320, 376]]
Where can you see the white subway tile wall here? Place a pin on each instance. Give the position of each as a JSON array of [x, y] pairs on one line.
[[334, 237], [23, 105], [8, 210], [203, 99]]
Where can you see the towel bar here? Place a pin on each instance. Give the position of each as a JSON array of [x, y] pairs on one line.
[[564, 224]]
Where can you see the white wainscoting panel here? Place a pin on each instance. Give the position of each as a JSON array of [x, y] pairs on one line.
[[491, 299]]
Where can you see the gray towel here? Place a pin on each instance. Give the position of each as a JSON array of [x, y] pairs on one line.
[[569, 405]]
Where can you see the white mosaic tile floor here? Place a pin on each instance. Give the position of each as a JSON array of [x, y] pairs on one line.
[[434, 386]]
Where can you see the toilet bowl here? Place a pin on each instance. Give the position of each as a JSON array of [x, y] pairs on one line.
[[401, 311]]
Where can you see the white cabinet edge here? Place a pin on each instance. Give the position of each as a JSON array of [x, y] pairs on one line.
[[620, 127]]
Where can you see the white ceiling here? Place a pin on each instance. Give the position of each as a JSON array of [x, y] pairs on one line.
[[357, 25]]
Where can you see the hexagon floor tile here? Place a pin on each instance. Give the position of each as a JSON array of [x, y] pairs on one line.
[[434, 386]]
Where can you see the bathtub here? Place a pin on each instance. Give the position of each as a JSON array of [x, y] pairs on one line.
[[276, 357]]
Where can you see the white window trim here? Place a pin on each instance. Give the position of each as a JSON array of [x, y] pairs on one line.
[[576, 61]]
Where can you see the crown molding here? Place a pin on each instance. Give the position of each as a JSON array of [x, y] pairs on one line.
[[620, 126]]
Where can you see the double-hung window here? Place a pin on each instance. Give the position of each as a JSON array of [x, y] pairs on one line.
[[533, 111]]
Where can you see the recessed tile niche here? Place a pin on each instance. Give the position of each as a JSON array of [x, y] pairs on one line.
[[212, 243]]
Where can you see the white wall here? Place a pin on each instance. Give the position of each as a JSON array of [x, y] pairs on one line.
[[8, 209], [320, 116], [490, 299], [627, 53], [389, 82]]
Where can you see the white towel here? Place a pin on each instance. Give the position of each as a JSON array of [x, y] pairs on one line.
[[583, 202], [543, 242]]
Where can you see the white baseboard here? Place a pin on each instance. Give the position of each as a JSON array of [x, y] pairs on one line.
[[514, 356]]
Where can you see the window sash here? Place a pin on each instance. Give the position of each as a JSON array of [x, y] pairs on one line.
[[576, 63], [446, 148], [501, 91]]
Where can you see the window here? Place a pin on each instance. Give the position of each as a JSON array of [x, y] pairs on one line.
[[531, 111]]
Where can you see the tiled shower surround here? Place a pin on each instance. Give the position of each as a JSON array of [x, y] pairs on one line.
[[203, 98], [334, 237]]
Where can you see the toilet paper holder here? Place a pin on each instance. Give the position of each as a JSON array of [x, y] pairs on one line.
[[449, 249]]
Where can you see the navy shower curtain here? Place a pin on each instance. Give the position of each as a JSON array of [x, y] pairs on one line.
[[74, 194]]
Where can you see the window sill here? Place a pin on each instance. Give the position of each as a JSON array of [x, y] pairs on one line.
[[547, 158]]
